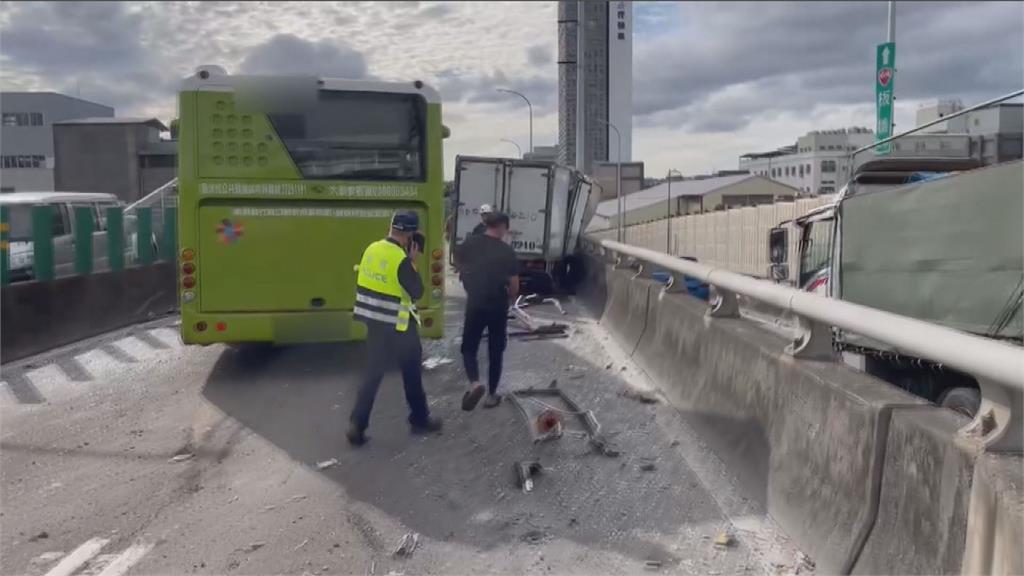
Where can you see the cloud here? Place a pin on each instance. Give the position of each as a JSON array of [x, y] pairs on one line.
[[539, 55], [289, 54], [795, 56]]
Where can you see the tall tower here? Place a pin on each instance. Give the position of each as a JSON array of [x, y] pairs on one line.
[[608, 79]]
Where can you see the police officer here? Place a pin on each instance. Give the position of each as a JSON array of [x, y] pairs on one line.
[[387, 286]]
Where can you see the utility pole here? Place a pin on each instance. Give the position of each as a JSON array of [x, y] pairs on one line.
[[668, 210], [891, 38]]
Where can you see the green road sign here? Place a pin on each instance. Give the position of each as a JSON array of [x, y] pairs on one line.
[[885, 76]]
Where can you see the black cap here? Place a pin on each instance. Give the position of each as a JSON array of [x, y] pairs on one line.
[[405, 221], [495, 219]]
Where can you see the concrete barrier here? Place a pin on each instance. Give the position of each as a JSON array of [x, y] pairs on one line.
[[593, 291], [995, 524], [922, 519], [39, 316], [866, 477], [625, 315]]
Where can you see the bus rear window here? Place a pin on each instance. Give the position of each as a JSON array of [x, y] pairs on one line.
[[357, 136]]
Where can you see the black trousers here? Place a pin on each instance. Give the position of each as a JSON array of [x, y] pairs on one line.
[[495, 320], [386, 349]]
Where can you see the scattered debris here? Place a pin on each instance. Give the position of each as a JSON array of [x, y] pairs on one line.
[[674, 443], [373, 567], [46, 558], [233, 498], [608, 366], [326, 464], [640, 396], [304, 542], [435, 361], [548, 426], [297, 498], [803, 562], [41, 536], [554, 383], [533, 537], [394, 573], [182, 457], [577, 376], [724, 540], [407, 545], [269, 507], [525, 471], [601, 445], [652, 565], [648, 467], [255, 546], [556, 303]]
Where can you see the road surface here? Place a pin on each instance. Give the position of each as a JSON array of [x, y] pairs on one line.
[[133, 454]]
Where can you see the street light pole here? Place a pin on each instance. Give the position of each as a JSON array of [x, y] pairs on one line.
[[529, 105], [513, 142], [618, 175], [668, 211]]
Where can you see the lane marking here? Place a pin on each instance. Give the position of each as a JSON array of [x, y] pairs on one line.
[[127, 559], [168, 336], [78, 558]]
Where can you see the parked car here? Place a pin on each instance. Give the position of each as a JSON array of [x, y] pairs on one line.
[[22, 255]]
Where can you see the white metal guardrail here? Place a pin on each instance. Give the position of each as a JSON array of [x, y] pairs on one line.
[[998, 367]]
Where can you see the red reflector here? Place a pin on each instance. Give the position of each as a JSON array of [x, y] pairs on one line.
[[436, 280], [428, 322], [188, 281], [221, 326], [437, 267], [188, 268], [200, 326]]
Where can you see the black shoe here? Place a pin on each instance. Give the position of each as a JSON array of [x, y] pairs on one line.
[[472, 397], [356, 435], [492, 400], [431, 426]]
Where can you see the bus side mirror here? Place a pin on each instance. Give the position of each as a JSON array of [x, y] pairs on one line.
[[445, 132], [779, 272]]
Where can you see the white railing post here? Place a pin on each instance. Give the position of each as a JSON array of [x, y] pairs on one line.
[[723, 304]]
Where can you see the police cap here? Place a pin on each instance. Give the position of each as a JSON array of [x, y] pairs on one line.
[[405, 221]]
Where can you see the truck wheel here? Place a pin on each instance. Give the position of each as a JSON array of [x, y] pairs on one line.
[[963, 400]]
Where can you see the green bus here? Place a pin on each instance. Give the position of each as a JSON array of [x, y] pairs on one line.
[[283, 181]]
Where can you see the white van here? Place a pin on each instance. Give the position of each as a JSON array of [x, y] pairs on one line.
[[19, 206]]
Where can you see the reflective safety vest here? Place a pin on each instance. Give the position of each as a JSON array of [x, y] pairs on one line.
[[379, 294]]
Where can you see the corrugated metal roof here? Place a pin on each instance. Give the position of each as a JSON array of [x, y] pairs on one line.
[[156, 123], [658, 193]]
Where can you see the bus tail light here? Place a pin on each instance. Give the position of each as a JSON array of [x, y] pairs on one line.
[[436, 280], [188, 254], [200, 326], [188, 268], [436, 293], [437, 267], [221, 326], [428, 322], [437, 254], [188, 296], [188, 281]]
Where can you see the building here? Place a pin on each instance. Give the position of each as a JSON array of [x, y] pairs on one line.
[[817, 164], [679, 197], [26, 137], [542, 153], [996, 133], [122, 156], [608, 81], [604, 174]]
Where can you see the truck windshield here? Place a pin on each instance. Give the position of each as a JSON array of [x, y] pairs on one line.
[[20, 219], [357, 136]]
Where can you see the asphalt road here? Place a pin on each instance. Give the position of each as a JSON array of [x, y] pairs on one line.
[[91, 483]]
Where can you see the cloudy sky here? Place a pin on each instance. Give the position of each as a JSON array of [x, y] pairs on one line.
[[711, 80]]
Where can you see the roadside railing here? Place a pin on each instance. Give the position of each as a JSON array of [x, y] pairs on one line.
[[113, 241], [998, 367]]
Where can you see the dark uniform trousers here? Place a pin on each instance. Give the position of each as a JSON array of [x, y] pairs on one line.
[[386, 349]]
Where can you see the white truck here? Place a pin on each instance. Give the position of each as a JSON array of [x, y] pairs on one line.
[[938, 240], [548, 205]]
